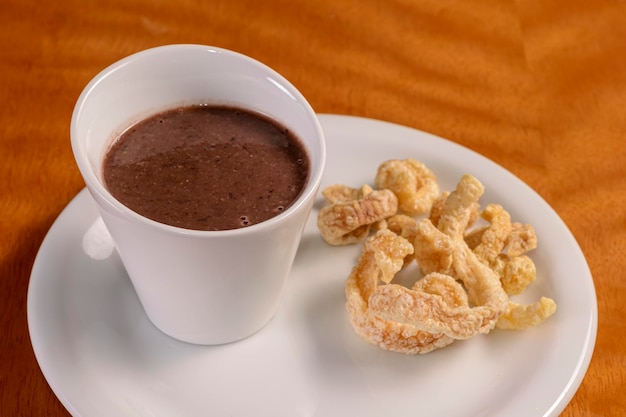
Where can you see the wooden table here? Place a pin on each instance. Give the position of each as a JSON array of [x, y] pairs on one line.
[[538, 87]]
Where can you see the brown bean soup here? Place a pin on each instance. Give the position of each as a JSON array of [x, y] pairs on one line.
[[207, 168]]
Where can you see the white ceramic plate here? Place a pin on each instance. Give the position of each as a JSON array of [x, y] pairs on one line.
[[102, 357]]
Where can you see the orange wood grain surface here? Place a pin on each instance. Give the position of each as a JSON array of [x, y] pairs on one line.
[[537, 86]]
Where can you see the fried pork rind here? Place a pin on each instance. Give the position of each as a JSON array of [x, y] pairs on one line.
[[453, 257], [430, 315], [501, 245], [521, 240], [460, 206], [382, 256], [468, 273], [495, 236], [520, 317], [437, 209], [429, 312], [433, 250], [348, 220], [489, 275], [516, 273], [338, 193], [413, 183], [405, 226]]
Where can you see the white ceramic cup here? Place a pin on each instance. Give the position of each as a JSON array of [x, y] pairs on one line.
[[204, 287]]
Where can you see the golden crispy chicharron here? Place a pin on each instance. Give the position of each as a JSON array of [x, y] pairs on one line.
[[351, 214], [467, 273], [411, 181]]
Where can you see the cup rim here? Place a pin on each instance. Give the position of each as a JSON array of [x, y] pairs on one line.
[[95, 185]]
